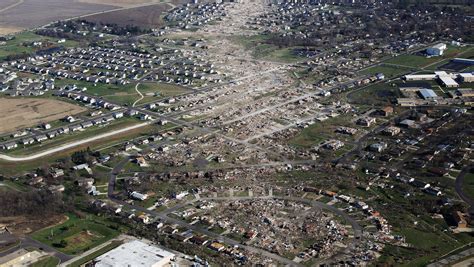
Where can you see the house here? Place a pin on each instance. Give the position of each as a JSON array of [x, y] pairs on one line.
[[391, 131], [366, 121], [56, 188], [27, 141], [75, 128], [51, 135], [118, 115], [57, 172], [144, 117], [81, 167], [86, 124], [378, 147], [141, 161], [386, 111], [63, 130], [216, 246], [46, 126], [70, 119], [460, 219], [138, 196], [199, 240], [408, 123], [10, 146], [41, 138]]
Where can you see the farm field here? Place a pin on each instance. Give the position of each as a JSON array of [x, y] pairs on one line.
[[34, 13], [20, 113], [144, 17], [76, 235], [120, 3]]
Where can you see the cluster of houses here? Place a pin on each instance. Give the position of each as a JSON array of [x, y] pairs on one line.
[[190, 15]]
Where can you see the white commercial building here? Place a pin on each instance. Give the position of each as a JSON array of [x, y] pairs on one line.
[[135, 253], [436, 50]]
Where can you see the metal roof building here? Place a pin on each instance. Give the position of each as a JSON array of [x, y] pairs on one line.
[[448, 81], [427, 94], [135, 253]]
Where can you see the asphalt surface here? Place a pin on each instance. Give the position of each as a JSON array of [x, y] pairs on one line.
[[28, 242], [459, 187]]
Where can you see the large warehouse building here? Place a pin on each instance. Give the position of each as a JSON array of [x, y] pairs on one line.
[[135, 253], [436, 50]]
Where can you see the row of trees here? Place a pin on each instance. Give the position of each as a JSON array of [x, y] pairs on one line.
[[33, 203]]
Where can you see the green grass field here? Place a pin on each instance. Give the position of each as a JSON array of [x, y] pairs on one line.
[[48, 261], [421, 61], [76, 235], [126, 94], [388, 71], [16, 46], [468, 186]]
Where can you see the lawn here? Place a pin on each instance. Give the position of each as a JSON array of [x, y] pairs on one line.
[[388, 71], [379, 94], [48, 261], [126, 94], [468, 186], [321, 131], [422, 61], [16, 46], [76, 235]]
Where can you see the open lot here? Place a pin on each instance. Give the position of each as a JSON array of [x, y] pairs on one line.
[[18, 44], [121, 3], [419, 61], [26, 112], [76, 235], [145, 17], [34, 13]]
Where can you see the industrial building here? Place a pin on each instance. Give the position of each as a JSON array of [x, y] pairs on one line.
[[427, 94], [436, 50], [466, 61], [447, 81], [466, 77], [135, 253]]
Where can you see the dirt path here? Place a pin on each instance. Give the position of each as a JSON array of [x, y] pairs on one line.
[[141, 95]]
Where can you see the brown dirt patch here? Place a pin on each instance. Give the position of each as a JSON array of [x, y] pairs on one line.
[[18, 113], [22, 225], [121, 3]]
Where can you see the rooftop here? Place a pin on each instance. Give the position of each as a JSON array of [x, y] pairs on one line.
[[135, 253]]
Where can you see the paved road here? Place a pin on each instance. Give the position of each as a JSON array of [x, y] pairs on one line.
[[72, 145], [28, 242], [459, 187]]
